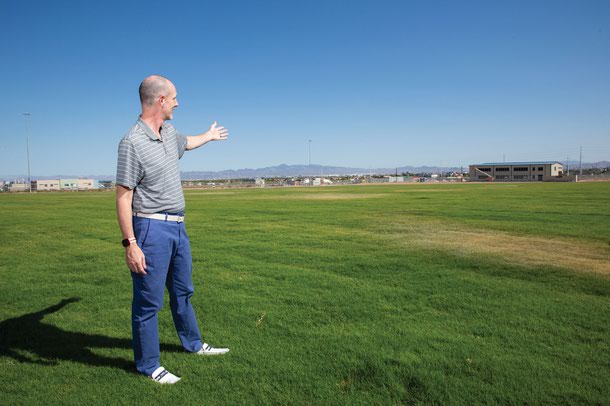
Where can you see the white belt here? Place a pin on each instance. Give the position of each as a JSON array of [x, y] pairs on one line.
[[159, 216]]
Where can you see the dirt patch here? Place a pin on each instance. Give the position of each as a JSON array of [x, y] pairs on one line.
[[324, 196], [577, 256], [450, 187], [201, 192], [430, 190]]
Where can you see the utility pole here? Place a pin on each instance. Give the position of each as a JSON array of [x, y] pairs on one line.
[[309, 169], [581, 160], [568, 165], [309, 152], [27, 145], [503, 157]]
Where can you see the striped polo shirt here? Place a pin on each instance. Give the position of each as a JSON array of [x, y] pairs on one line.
[[149, 166]]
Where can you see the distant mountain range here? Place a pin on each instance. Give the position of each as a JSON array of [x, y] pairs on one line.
[[306, 170], [297, 170]]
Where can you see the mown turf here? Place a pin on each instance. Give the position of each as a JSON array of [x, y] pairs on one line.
[[431, 294]]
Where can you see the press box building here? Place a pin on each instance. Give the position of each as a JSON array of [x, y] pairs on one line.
[[518, 171]]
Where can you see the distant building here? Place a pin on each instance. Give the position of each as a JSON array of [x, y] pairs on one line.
[[104, 184], [41, 185], [518, 172], [68, 184], [76, 184], [17, 187], [322, 181], [85, 184], [55, 184]]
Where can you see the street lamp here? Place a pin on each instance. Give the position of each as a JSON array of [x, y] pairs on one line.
[[309, 167], [309, 152], [27, 143]]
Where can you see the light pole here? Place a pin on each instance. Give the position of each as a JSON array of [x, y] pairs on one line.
[[309, 166], [309, 145], [27, 144]]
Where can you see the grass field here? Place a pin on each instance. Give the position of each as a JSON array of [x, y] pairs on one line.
[[417, 294]]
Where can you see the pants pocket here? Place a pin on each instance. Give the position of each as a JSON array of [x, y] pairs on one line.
[[140, 229]]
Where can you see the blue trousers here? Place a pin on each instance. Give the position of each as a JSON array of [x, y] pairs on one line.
[[166, 247]]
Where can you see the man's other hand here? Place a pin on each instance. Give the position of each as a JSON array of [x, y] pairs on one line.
[[134, 257]]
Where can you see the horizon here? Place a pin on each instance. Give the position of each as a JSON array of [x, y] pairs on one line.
[[99, 176]]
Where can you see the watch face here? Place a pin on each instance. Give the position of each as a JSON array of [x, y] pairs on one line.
[[125, 242]]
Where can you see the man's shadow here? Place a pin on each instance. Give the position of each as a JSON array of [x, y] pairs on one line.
[[28, 339]]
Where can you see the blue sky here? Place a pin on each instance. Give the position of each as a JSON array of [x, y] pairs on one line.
[[372, 83]]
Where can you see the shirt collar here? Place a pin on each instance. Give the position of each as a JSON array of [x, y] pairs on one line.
[[148, 131]]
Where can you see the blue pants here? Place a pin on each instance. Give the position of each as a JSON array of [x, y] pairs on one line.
[[166, 247]]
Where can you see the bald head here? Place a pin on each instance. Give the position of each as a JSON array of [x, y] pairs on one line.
[[152, 87]]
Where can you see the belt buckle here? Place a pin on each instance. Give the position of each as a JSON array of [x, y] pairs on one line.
[[180, 219]]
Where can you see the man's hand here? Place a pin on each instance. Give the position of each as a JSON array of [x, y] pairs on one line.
[[217, 133], [134, 257]]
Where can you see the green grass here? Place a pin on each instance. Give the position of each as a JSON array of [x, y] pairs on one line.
[[431, 294]]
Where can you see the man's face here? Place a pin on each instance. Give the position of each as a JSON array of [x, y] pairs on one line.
[[169, 102]]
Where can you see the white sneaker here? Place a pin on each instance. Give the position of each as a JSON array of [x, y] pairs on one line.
[[162, 375], [207, 349]]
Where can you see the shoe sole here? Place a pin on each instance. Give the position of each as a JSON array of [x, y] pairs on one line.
[[208, 354]]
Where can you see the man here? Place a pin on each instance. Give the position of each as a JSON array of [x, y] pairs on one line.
[[150, 208]]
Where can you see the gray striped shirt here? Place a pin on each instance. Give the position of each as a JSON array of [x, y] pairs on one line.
[[149, 166]]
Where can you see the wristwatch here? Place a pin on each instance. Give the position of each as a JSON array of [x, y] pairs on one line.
[[128, 241]]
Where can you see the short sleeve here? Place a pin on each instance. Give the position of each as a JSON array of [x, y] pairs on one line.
[[129, 169], [181, 141]]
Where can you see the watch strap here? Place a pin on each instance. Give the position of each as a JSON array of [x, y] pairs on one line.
[[128, 241]]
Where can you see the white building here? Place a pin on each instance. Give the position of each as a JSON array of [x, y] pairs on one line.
[[40, 185], [76, 184], [17, 187], [518, 172]]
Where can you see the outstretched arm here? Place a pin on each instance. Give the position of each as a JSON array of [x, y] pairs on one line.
[[214, 133]]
